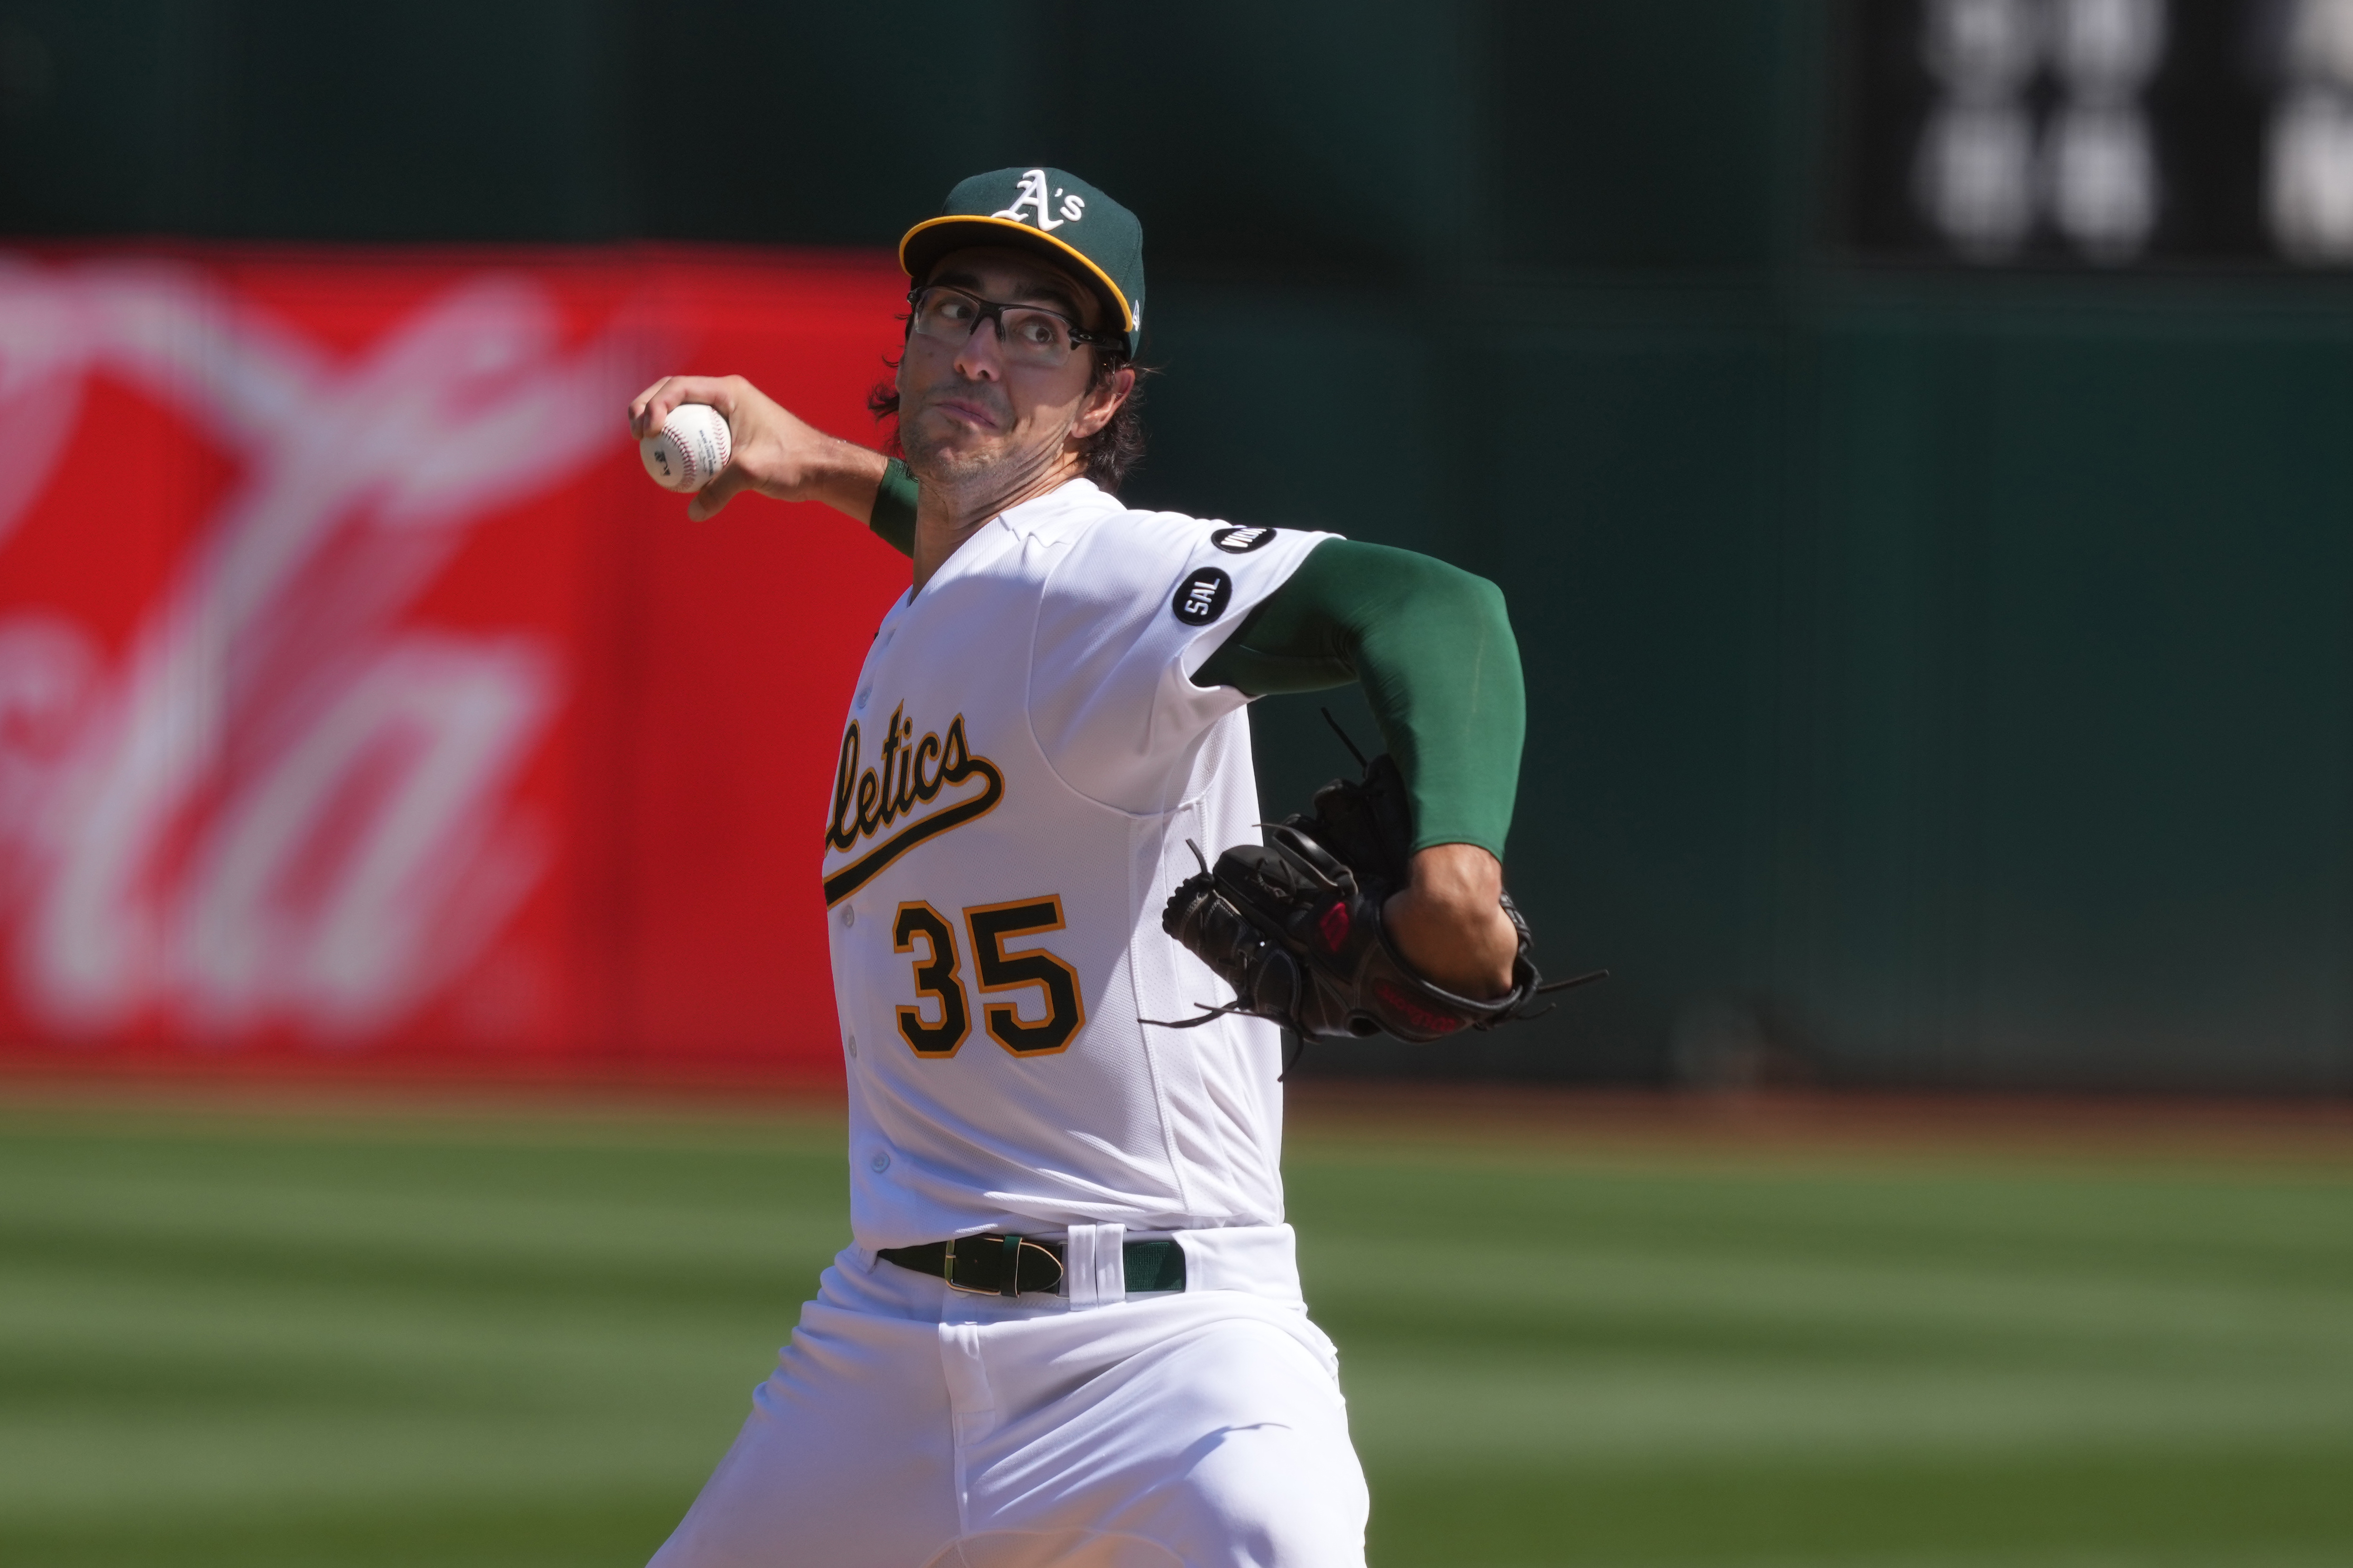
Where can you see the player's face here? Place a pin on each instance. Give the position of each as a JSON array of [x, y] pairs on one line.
[[967, 407]]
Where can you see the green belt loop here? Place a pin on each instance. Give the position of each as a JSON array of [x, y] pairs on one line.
[[1153, 1266]]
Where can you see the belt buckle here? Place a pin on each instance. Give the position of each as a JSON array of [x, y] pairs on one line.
[[947, 1272], [1010, 1286]]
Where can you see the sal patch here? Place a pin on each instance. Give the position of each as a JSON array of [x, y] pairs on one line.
[[1242, 540], [1202, 596]]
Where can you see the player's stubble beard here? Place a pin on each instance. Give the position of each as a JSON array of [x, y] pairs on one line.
[[979, 479]]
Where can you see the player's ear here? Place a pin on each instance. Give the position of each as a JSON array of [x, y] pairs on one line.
[[1103, 401]]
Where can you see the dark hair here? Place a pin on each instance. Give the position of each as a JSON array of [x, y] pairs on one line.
[[1108, 453]]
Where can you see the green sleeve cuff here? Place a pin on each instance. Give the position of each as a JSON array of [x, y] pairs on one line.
[[1433, 648], [893, 520]]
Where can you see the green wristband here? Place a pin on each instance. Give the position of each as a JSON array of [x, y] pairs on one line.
[[893, 519]]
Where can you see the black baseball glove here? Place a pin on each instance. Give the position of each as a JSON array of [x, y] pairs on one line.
[[1294, 926]]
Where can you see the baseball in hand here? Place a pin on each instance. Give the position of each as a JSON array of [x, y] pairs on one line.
[[690, 448]]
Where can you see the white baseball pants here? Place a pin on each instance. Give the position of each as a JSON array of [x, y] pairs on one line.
[[907, 1425]]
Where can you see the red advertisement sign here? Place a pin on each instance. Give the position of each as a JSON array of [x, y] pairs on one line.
[[361, 703]]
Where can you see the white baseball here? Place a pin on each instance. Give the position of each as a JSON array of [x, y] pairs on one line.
[[690, 448]]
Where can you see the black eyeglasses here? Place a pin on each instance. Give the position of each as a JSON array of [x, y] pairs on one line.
[[1030, 334]]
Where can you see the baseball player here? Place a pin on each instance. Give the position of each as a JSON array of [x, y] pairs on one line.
[[1070, 1328]]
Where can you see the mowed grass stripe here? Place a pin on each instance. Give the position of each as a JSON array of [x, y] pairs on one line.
[[2230, 1507], [562, 1527], [379, 1340]]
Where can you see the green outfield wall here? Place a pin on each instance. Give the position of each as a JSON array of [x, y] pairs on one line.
[[1938, 674]]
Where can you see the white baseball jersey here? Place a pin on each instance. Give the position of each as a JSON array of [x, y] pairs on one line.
[[1025, 758]]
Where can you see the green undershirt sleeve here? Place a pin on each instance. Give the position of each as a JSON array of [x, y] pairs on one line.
[[893, 519], [1432, 646]]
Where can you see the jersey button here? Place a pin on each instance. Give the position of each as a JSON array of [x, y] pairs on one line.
[[863, 696], [853, 1045], [848, 916], [880, 1163]]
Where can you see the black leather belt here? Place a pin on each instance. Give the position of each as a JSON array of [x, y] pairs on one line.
[[993, 1265]]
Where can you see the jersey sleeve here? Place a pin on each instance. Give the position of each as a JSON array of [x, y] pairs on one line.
[[1431, 644], [1140, 602]]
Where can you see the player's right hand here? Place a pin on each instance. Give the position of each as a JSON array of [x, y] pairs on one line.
[[774, 453]]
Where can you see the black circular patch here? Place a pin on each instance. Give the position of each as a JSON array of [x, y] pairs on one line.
[[1242, 540], [1202, 598]]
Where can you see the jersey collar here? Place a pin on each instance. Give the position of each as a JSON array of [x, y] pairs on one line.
[[1060, 514]]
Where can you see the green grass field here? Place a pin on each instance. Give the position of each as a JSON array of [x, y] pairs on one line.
[[274, 1340]]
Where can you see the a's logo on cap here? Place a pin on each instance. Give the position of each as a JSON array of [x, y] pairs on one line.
[[1032, 193], [1203, 598], [1241, 541]]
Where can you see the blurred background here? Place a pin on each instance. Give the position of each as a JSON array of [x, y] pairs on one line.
[[1911, 436]]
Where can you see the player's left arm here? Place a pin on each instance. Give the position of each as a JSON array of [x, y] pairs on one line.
[[1433, 648]]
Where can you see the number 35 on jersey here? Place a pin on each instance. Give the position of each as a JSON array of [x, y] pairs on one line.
[[1012, 982]]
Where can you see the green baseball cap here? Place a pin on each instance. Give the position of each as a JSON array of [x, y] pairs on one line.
[[1047, 210]]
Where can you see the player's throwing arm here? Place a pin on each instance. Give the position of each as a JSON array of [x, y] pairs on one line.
[[717, 437]]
